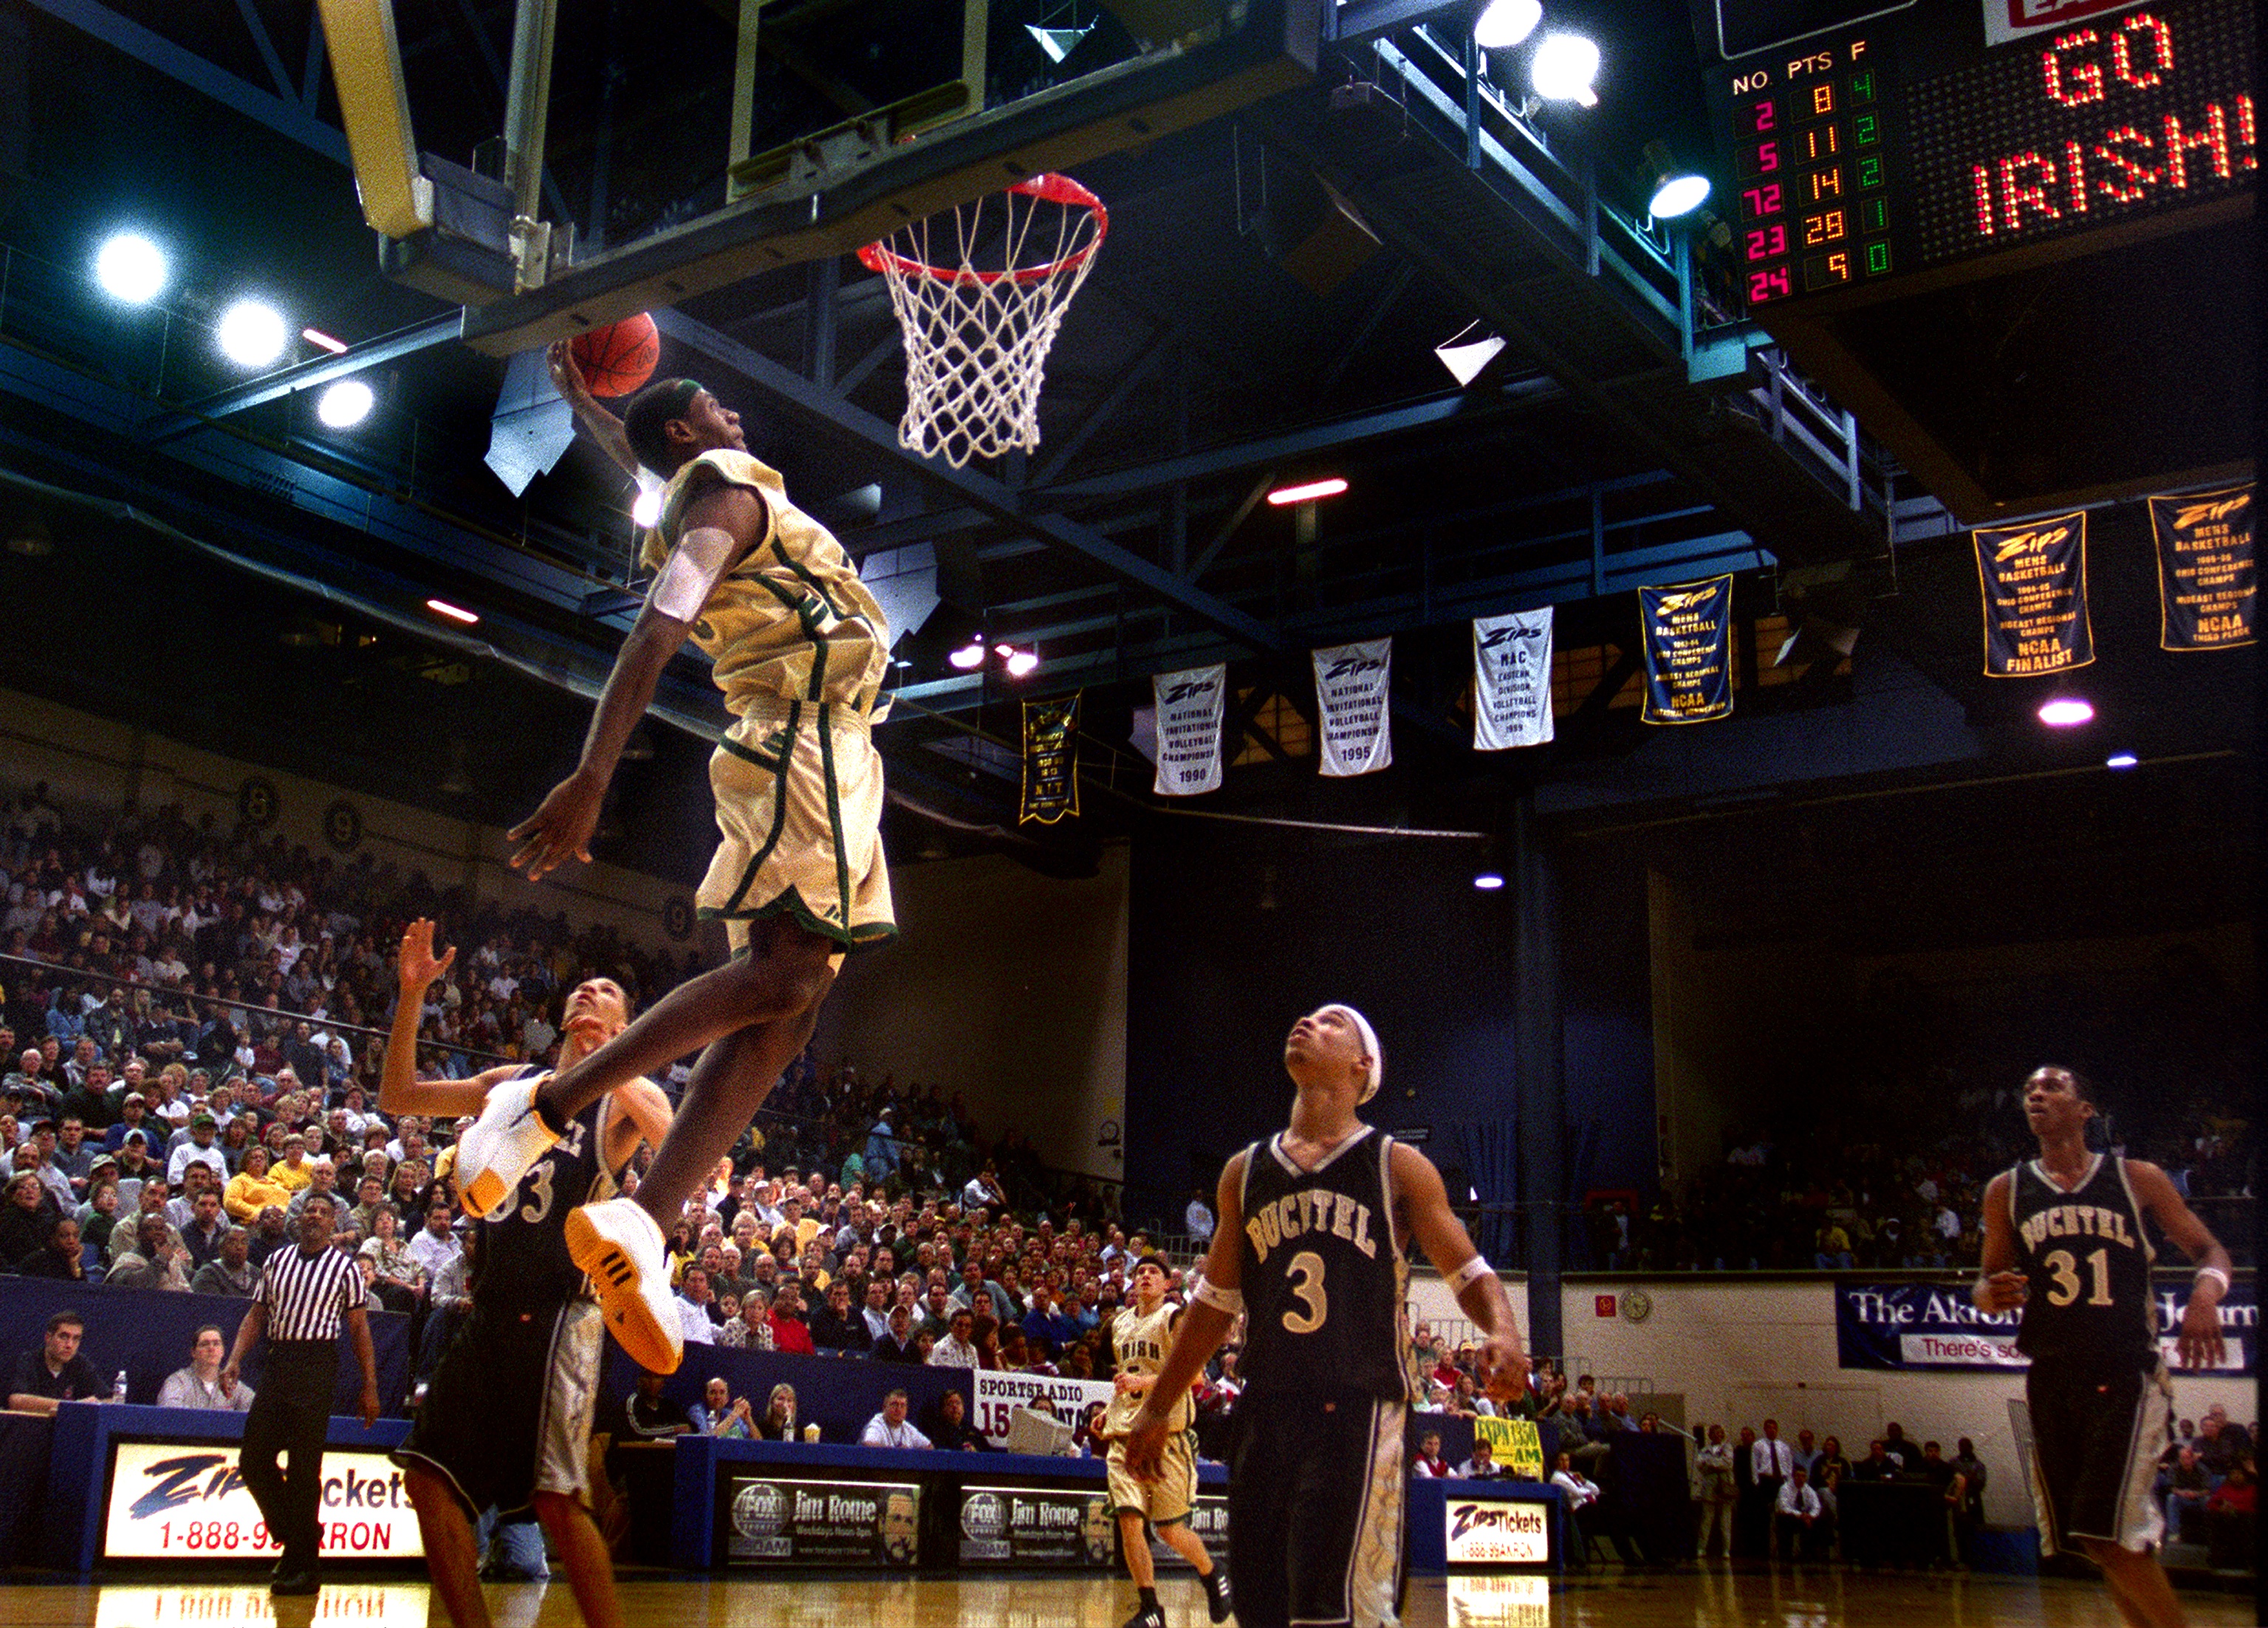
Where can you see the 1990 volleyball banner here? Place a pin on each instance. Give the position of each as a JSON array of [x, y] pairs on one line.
[[172, 1501], [1935, 1326]]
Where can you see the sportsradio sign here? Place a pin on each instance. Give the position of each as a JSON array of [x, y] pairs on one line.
[[1493, 1531], [171, 1500]]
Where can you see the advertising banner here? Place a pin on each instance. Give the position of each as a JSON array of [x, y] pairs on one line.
[[1499, 1603], [1516, 1444], [797, 1520], [2207, 579], [171, 1500], [1351, 681], [1512, 680], [1190, 708], [1498, 1531], [1050, 762], [1689, 651], [248, 1604], [1922, 1326], [2034, 583], [999, 1394], [1036, 1526]]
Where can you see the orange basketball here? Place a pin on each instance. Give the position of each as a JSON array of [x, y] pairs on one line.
[[616, 359]]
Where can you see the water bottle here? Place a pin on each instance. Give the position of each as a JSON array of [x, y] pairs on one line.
[[118, 1387]]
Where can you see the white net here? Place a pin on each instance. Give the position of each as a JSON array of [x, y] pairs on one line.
[[979, 295]]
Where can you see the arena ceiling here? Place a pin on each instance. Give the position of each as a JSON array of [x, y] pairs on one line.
[[1265, 308]]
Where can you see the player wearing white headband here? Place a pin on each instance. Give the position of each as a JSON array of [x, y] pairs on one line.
[[1315, 1224]]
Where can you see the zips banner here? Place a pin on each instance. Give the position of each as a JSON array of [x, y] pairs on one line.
[[1512, 679]]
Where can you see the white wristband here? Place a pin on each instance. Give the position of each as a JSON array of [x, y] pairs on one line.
[[1477, 1267], [1230, 1300], [2217, 1275]]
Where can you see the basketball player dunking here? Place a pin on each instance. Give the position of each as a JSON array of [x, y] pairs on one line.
[[1315, 1223], [799, 648], [2064, 1240], [1138, 1336], [507, 1419]]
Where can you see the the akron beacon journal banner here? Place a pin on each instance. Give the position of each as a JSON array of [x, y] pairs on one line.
[[1689, 651], [2034, 583], [1351, 681], [2206, 578], [1050, 762], [1190, 707], [1512, 680]]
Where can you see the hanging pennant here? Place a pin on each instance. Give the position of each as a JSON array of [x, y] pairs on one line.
[[2034, 582], [1512, 679], [2206, 578], [1189, 705], [1351, 691], [1689, 651], [1050, 762]]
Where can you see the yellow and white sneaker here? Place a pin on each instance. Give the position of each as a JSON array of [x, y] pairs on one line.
[[501, 1145], [620, 1245]]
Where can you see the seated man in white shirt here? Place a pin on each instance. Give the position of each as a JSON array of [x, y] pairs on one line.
[[1797, 1517], [199, 1385], [1482, 1466], [890, 1428], [694, 1304], [1583, 1495]]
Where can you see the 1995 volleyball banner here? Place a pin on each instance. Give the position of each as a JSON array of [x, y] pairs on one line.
[[173, 1500]]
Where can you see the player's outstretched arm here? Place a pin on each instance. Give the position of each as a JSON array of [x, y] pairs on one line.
[[399, 1090], [1204, 1322], [604, 427], [2201, 1343], [1480, 1293], [719, 526], [1999, 1286]]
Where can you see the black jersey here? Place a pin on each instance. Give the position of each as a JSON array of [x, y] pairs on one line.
[[1323, 1278], [524, 1262], [2087, 1262]]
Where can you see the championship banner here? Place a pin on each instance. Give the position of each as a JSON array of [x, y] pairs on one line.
[[793, 1520], [2206, 576], [1512, 679], [1190, 707], [1036, 1526], [999, 1393], [1516, 1444], [172, 1501], [1050, 762], [1351, 686], [1918, 1326], [1689, 651], [2034, 583]]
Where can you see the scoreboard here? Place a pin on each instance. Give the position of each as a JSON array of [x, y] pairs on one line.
[[1872, 144]]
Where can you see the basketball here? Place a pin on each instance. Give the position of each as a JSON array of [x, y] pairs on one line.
[[616, 359]]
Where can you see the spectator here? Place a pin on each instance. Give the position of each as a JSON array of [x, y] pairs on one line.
[[394, 1278], [1796, 1515], [778, 1422], [698, 1314], [28, 1218], [752, 1329], [890, 1428], [156, 1259], [59, 1256], [1719, 1493], [1583, 1497], [1428, 1461], [898, 1344], [57, 1372], [199, 1149], [231, 1272], [958, 1349], [2185, 1487], [2232, 1517], [835, 1328], [719, 1415], [1482, 1466], [200, 1385], [249, 1191], [435, 1244], [949, 1429], [788, 1332], [649, 1414]]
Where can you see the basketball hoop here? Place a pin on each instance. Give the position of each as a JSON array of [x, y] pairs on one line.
[[980, 311]]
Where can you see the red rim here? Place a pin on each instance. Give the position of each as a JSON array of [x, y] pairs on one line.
[[1052, 188]]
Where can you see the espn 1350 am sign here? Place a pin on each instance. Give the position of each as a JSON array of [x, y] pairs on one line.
[[172, 1501]]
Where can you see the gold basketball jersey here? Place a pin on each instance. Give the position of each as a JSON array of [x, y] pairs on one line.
[[1140, 1343], [791, 618]]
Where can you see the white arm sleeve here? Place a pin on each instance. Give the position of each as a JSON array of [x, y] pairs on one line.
[[691, 571]]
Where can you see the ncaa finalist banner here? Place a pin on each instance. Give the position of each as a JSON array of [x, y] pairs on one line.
[[1190, 707], [1689, 651], [169, 1499], [1050, 762], [1512, 680], [2207, 579], [2034, 582], [1351, 688], [794, 1521], [1926, 1326]]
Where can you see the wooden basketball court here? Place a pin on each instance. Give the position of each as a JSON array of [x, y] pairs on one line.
[[1683, 1599]]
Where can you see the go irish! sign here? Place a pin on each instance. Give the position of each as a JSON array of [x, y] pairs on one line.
[[1931, 1325]]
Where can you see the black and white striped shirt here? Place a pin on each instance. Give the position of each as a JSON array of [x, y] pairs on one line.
[[306, 1295]]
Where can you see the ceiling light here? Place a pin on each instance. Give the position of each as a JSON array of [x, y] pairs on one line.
[[2121, 760], [455, 613], [1056, 43], [321, 341], [1307, 492], [1021, 664], [1465, 358], [1676, 195], [1563, 70], [970, 655], [1489, 881], [2066, 711], [251, 334], [131, 268], [345, 404], [1505, 22], [646, 510]]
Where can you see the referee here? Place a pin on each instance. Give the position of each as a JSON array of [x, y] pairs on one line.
[[303, 1295]]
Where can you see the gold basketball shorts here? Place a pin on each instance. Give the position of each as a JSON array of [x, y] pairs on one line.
[[1168, 1497], [799, 787]]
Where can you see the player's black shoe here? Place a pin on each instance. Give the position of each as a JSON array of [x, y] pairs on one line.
[[1146, 1616], [1217, 1605]]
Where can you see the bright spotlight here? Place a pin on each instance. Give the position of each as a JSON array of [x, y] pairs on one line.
[[970, 655], [1678, 194], [454, 612], [251, 334], [645, 510], [1489, 881], [2066, 712], [1563, 70], [345, 404], [2121, 760], [131, 268], [1505, 22], [1307, 492], [1022, 663]]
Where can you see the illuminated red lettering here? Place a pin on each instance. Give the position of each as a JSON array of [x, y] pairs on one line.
[[1981, 178], [2086, 77], [2161, 51], [1767, 157], [2130, 179], [2213, 141], [1763, 111], [2247, 139], [2018, 195], [2074, 176]]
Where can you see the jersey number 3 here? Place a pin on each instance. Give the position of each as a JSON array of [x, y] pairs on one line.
[[2065, 1289], [1306, 1286]]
